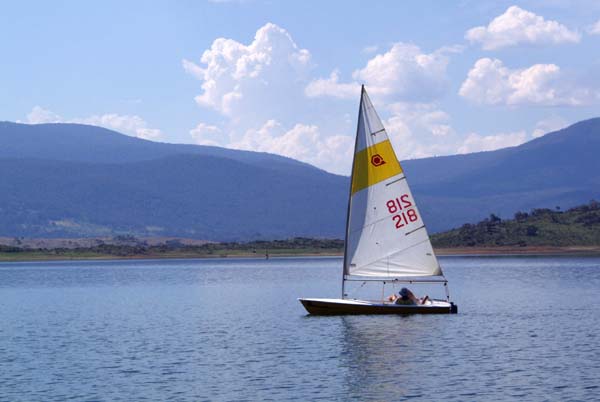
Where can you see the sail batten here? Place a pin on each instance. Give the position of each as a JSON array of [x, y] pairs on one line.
[[385, 236]]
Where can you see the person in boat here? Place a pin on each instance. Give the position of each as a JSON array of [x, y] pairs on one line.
[[405, 296]]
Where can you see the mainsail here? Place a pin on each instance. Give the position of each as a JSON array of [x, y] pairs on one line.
[[385, 234]]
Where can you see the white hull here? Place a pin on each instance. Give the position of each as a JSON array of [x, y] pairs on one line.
[[353, 306]]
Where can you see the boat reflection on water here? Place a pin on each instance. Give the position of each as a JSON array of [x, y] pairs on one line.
[[388, 357]]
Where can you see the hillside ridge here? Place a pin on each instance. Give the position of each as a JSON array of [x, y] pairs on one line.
[[72, 180]]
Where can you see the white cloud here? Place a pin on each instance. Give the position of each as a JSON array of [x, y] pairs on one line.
[[39, 115], [419, 130], [302, 142], [425, 115], [259, 85], [404, 72], [424, 130], [253, 85], [518, 26], [478, 143], [205, 134], [594, 29], [548, 125], [237, 77], [416, 130], [132, 125], [332, 87], [489, 81]]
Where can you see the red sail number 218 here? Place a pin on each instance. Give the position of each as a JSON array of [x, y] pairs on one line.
[[403, 210]]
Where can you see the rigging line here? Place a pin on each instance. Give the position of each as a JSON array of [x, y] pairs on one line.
[[414, 230]]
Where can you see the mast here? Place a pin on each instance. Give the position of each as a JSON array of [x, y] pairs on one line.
[[362, 91]]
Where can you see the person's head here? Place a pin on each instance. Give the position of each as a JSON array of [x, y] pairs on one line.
[[404, 293]]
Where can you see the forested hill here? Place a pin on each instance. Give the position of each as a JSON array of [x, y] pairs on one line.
[[579, 226], [75, 181]]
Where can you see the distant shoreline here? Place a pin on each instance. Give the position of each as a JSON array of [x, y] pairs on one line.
[[442, 252], [509, 250]]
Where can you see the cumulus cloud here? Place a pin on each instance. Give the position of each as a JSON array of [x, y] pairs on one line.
[[403, 72], [39, 115], [301, 142], [132, 125], [416, 130], [252, 85], [478, 143], [594, 29], [419, 130], [517, 26], [205, 134], [259, 85], [424, 130], [332, 87], [490, 82], [425, 115], [237, 77], [406, 72], [548, 125]]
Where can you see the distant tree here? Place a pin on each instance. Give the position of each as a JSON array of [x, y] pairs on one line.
[[9, 249], [541, 212], [127, 238], [589, 218], [174, 244], [521, 216], [532, 230], [495, 218]]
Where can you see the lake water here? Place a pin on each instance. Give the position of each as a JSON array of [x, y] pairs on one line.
[[527, 329]]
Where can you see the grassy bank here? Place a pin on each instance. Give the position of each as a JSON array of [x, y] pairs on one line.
[[139, 250], [540, 228]]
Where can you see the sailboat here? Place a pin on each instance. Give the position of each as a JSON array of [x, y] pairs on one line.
[[386, 239]]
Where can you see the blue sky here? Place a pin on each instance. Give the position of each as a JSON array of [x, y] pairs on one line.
[[283, 76]]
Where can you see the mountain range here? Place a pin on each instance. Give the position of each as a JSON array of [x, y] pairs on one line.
[[72, 180]]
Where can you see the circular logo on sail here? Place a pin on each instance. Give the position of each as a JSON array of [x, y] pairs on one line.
[[377, 160]]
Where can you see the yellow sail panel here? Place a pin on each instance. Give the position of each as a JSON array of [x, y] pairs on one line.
[[373, 165]]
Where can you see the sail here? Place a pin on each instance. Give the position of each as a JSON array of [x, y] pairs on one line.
[[385, 234]]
